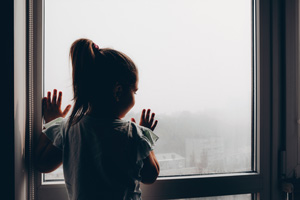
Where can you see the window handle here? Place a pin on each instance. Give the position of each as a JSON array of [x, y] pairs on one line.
[[288, 189]]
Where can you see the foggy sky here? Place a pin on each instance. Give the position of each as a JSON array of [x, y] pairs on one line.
[[192, 55]]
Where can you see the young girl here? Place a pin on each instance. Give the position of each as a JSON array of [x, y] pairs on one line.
[[103, 156]]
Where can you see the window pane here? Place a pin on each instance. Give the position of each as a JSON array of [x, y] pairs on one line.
[[231, 197], [57, 175], [195, 65]]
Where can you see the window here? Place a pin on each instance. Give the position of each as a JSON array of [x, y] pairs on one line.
[[220, 114], [195, 73]]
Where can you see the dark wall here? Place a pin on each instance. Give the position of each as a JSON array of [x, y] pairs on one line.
[[7, 99]]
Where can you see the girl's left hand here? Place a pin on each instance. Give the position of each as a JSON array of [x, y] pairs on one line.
[[51, 108], [147, 120]]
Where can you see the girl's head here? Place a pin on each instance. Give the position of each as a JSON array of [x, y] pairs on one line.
[[104, 80]]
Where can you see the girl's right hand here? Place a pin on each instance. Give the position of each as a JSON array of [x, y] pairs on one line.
[[146, 120], [52, 106]]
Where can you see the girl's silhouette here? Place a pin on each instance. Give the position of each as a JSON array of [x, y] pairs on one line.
[[103, 156]]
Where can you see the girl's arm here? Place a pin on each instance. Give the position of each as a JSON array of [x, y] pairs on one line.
[[47, 156], [150, 170]]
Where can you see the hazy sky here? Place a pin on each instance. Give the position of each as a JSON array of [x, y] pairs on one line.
[[192, 55]]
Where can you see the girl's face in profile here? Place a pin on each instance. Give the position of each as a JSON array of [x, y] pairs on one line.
[[128, 100]]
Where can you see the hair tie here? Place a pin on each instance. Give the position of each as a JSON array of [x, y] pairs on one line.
[[96, 46]]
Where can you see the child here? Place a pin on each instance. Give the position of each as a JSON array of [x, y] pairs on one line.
[[103, 156]]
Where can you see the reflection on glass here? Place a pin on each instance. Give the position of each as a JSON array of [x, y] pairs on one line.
[[194, 59]]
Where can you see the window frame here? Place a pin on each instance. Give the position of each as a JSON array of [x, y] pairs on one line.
[[291, 147], [171, 187]]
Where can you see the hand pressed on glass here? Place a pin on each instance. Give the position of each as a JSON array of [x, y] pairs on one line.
[[48, 157], [146, 120], [51, 108]]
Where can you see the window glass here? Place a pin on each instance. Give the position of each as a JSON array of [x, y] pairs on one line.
[[229, 197], [195, 66]]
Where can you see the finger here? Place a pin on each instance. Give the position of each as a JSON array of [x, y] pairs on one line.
[[59, 99], [49, 98], [148, 115], [152, 118], [133, 120], [54, 96], [65, 112], [143, 115], [154, 125]]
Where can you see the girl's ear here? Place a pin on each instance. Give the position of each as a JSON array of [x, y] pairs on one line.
[[117, 92]]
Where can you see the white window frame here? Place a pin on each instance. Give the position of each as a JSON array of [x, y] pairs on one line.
[[257, 182]]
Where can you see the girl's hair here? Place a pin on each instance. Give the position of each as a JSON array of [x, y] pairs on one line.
[[96, 71]]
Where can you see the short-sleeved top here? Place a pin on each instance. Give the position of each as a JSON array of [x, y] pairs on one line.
[[102, 159]]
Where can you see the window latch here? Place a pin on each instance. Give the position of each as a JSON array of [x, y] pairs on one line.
[[288, 189]]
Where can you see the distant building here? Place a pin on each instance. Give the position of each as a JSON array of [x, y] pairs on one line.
[[170, 161], [207, 154], [217, 155]]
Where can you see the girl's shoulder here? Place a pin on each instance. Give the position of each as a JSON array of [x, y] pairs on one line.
[[123, 128], [136, 131]]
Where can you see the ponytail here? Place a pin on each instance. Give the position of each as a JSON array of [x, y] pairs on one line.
[[82, 58]]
